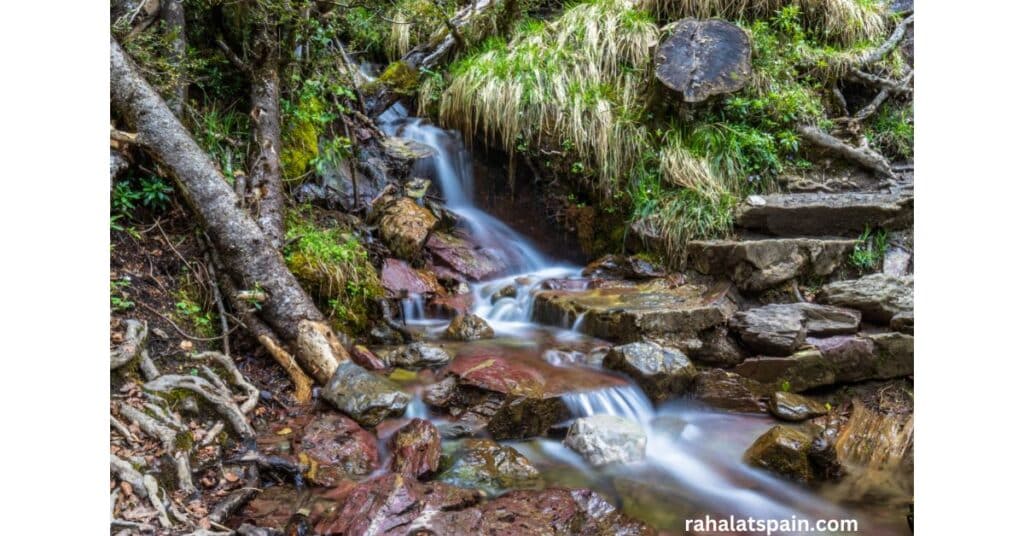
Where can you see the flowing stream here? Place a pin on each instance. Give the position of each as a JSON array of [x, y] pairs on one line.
[[693, 463]]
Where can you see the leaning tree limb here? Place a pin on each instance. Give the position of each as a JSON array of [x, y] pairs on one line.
[[267, 182], [863, 156], [248, 255]]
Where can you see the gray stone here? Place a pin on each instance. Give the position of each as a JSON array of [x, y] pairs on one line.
[[607, 439], [779, 329], [414, 356], [757, 265], [825, 214], [879, 297], [897, 262], [701, 58], [364, 396], [660, 372]]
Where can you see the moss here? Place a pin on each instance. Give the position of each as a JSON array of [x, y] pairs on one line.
[[399, 77], [334, 267], [300, 139]]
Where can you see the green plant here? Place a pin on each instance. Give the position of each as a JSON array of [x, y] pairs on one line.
[[891, 131], [870, 249], [194, 313], [155, 192], [118, 297]]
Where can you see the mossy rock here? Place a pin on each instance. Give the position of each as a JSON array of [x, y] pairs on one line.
[[399, 77]]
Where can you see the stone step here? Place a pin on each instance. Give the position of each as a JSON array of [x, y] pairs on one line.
[[824, 214], [757, 265]]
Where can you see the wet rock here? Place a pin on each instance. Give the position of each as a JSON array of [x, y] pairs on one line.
[[468, 327], [717, 348], [728, 390], [452, 304], [405, 149], [404, 226], [623, 267], [841, 359], [390, 504], [273, 507], [896, 262], [401, 280], [416, 188], [440, 394], [903, 322], [416, 449], [779, 329], [382, 333], [627, 314], [661, 372], [363, 395], [701, 58], [793, 407], [825, 214], [508, 291], [365, 358], [337, 449], [757, 265], [606, 439], [485, 465], [783, 450], [416, 355], [462, 257], [517, 396], [879, 297]]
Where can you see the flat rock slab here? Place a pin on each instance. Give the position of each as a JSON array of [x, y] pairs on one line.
[[701, 58], [841, 359], [627, 314], [879, 297], [779, 329], [661, 372], [756, 265], [401, 280], [607, 439], [824, 214]]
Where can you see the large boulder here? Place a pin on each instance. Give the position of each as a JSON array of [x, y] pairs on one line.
[[841, 359], [337, 448], [462, 257], [785, 451], [363, 395], [485, 465], [655, 309], [701, 58], [606, 439], [403, 226], [401, 280], [758, 265], [416, 355], [879, 297], [779, 329], [468, 327], [661, 372], [416, 449], [793, 407]]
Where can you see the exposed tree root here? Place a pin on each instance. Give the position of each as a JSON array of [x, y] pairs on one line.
[[214, 394], [136, 334], [863, 156]]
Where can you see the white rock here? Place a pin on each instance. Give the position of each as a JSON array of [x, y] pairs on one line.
[[606, 439]]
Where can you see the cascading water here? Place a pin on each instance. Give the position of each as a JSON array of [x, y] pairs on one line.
[[699, 457]]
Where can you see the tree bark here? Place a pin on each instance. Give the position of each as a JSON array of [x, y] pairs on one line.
[[248, 255], [172, 12], [265, 172]]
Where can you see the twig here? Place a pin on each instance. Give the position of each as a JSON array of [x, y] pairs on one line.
[[232, 57], [180, 331]]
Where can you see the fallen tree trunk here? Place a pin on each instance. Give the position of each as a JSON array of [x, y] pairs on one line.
[[248, 255]]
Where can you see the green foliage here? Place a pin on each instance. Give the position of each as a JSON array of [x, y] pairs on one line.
[[365, 30], [223, 133], [870, 249], [128, 194], [334, 267], [119, 300], [891, 131], [307, 121], [189, 308], [155, 193]]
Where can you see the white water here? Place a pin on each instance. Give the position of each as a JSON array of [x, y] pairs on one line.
[[702, 459]]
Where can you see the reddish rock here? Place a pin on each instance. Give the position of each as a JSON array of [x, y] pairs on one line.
[[452, 304], [728, 390], [337, 448], [365, 358], [416, 449], [462, 257], [400, 279], [273, 506], [392, 505]]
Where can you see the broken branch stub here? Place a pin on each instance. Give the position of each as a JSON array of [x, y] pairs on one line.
[[701, 58]]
